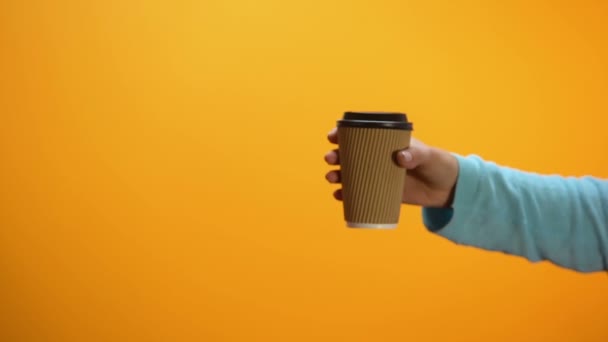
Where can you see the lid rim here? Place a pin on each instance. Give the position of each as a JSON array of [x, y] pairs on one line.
[[369, 119], [376, 124]]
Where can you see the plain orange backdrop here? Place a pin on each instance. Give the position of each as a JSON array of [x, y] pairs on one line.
[[162, 174]]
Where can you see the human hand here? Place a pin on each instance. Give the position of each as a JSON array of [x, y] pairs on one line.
[[431, 173]]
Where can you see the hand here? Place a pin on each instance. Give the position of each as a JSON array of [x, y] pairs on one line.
[[431, 173]]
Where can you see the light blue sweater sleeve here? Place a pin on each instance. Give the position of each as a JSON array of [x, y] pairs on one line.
[[563, 220]]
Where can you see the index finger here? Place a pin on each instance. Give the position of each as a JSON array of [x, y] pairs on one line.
[[333, 136]]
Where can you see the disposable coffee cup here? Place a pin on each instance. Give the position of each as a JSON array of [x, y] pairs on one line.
[[372, 182]]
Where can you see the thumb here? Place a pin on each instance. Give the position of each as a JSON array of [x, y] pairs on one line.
[[413, 156]]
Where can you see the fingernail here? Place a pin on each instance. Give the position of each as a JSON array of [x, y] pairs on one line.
[[407, 156]]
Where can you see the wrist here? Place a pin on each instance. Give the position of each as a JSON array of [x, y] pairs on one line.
[[447, 176]]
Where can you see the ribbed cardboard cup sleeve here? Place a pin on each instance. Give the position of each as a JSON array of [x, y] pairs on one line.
[[372, 183]]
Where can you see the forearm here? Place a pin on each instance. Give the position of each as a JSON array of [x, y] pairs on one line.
[[540, 217]]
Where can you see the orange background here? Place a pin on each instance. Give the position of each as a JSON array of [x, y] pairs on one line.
[[162, 174]]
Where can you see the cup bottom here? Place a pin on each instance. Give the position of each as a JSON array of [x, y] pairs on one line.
[[371, 225]]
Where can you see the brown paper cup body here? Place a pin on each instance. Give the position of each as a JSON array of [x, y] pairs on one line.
[[372, 183]]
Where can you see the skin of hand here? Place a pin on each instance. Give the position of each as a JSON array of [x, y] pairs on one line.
[[430, 179]]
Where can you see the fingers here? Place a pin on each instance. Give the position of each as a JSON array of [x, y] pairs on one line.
[[338, 194], [333, 176], [333, 136], [413, 156], [332, 157]]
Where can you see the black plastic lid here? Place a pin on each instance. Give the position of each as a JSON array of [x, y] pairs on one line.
[[376, 120]]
